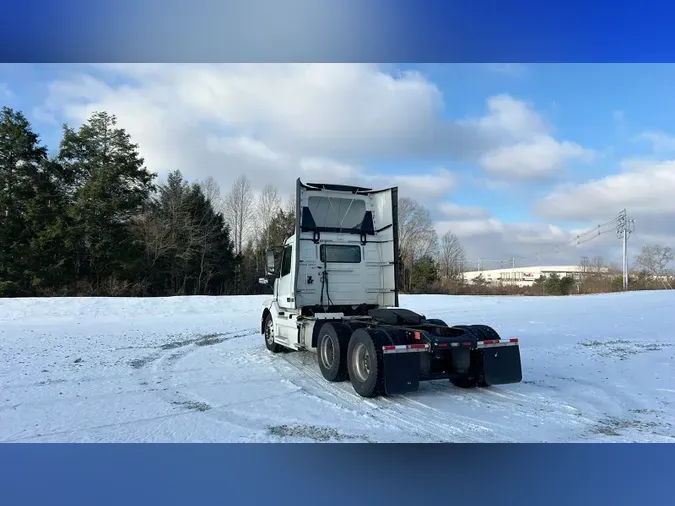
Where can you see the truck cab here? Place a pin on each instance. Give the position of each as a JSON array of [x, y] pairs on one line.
[[341, 260], [335, 292]]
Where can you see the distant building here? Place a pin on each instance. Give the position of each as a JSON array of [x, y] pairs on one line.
[[526, 276]]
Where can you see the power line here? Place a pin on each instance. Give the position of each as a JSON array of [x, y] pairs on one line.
[[616, 224]]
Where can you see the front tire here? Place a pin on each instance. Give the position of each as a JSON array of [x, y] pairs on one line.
[[269, 335]]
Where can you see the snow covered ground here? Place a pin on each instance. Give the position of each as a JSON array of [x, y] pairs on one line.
[[195, 369]]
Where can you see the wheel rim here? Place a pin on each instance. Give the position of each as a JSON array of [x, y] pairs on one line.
[[269, 332], [327, 352], [361, 361]]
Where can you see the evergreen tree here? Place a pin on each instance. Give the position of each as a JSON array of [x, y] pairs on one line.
[[566, 285], [214, 263], [424, 274], [32, 209], [552, 284], [110, 185]]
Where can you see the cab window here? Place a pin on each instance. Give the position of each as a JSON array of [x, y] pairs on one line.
[[346, 254], [286, 261]]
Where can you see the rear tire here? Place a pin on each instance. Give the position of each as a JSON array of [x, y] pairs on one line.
[[365, 363], [331, 352], [486, 332], [476, 376], [472, 378], [436, 321], [269, 335], [465, 382], [480, 333]]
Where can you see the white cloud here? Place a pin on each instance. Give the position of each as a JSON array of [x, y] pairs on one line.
[[471, 227], [643, 189], [317, 109], [322, 167], [637, 164], [524, 147], [453, 211], [539, 157], [510, 118], [5, 91], [660, 141], [436, 184], [243, 146], [335, 111], [274, 122]]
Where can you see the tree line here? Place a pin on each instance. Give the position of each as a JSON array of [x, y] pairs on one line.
[[90, 219]]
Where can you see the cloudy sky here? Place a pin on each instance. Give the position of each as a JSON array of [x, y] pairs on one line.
[[515, 159]]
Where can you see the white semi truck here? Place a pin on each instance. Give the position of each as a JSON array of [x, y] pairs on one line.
[[336, 294]]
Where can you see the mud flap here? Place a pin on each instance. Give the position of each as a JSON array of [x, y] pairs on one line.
[[401, 372], [501, 365]]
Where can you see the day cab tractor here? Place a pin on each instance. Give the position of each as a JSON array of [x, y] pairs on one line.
[[336, 294]]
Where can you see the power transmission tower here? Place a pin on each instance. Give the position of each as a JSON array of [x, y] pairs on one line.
[[624, 228]]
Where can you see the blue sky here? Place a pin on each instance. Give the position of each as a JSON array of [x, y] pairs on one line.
[[516, 159]]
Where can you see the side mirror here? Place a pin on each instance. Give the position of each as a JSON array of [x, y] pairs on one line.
[[271, 264]]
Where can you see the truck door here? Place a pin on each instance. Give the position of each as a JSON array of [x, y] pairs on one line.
[[285, 282]]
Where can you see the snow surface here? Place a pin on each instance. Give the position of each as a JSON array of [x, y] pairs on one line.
[[195, 369]]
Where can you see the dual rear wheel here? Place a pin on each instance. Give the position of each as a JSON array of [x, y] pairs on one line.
[[343, 352]]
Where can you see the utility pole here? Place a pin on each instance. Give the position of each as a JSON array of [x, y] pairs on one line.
[[623, 229], [625, 259]]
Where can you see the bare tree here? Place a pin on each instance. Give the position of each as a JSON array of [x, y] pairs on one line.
[[211, 191], [171, 231], [268, 206], [289, 206], [451, 256], [584, 270], [417, 236], [655, 259], [238, 209], [155, 237]]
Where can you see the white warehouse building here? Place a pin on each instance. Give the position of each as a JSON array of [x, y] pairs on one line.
[[524, 276]]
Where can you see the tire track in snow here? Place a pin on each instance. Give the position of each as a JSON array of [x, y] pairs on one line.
[[409, 416], [153, 373], [164, 370]]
